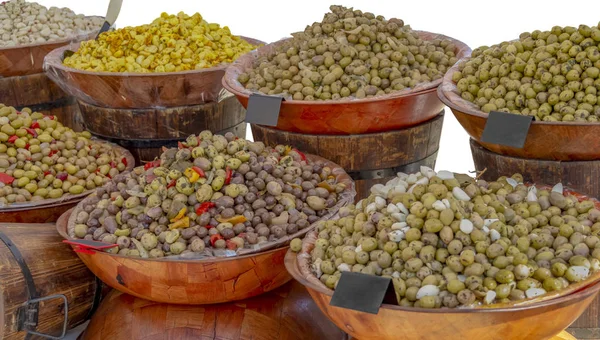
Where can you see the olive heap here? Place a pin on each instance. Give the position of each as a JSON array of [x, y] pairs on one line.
[[448, 240], [212, 194], [42, 159], [349, 54], [551, 75]]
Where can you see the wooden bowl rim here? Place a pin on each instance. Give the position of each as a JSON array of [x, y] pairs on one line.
[[344, 199], [574, 291], [68, 198], [447, 92], [84, 35], [232, 85], [55, 57]]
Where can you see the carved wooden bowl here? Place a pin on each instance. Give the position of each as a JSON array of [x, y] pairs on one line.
[[353, 116]]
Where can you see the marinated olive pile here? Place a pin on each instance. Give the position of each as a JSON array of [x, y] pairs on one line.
[[42, 159], [25, 23], [551, 75], [212, 194], [350, 54], [170, 43], [447, 240]]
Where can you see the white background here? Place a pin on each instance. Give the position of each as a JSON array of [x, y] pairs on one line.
[[473, 22]]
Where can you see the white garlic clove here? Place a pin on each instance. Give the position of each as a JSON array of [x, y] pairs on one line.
[[438, 205], [532, 196], [486, 229], [427, 171], [380, 202], [371, 208], [396, 274], [402, 208], [461, 277], [446, 203], [402, 175], [512, 182], [466, 226], [495, 235], [460, 194], [396, 236], [411, 179], [359, 205], [400, 217], [422, 180], [358, 249], [428, 290], [399, 225], [489, 221], [558, 188], [391, 209], [577, 273], [316, 267], [445, 174], [379, 190], [490, 296], [344, 267], [533, 292]]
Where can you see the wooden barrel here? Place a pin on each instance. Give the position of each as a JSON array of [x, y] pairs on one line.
[[285, 313], [35, 264], [581, 176], [39, 93], [368, 158], [145, 131]]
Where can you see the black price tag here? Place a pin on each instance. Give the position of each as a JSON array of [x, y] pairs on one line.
[[263, 110], [360, 292], [506, 129]]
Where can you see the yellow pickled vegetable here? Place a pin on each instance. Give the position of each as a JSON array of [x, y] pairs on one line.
[[170, 43]]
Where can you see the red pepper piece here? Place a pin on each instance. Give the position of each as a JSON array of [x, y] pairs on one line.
[[124, 161], [32, 132], [181, 145], [62, 176], [49, 117], [302, 156], [214, 238], [13, 138], [18, 112], [204, 207], [6, 179], [199, 171], [27, 146], [152, 164], [35, 125], [228, 175], [113, 164], [172, 184], [52, 153], [231, 245], [46, 173]]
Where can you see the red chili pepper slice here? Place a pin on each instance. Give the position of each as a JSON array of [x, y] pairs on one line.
[[199, 171], [204, 207], [62, 176], [52, 153], [172, 184], [214, 238], [302, 156], [181, 145], [124, 161], [12, 138], [113, 164], [6, 179], [228, 175], [49, 117], [31, 132], [35, 125], [152, 164], [231, 245], [19, 112], [27, 146], [46, 173]]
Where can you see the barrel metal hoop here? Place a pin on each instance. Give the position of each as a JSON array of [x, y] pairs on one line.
[[31, 308], [29, 283], [387, 172], [48, 106]]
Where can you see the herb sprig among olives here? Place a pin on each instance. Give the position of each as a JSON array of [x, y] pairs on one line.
[[212, 195], [448, 240], [350, 54]]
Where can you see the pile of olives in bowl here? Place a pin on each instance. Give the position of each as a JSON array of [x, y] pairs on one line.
[[553, 76], [41, 159], [349, 54], [448, 240], [214, 195]]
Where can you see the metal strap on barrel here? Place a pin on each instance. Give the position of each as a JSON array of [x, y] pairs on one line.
[[42, 107], [390, 172], [27, 313]]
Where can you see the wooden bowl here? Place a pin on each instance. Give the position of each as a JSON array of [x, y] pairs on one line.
[[49, 210], [136, 90], [29, 59], [348, 116], [546, 140], [201, 281], [287, 312], [540, 317]]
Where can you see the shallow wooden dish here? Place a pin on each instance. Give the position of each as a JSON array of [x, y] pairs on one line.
[[136, 90], [49, 210], [29, 59], [201, 281], [284, 313], [541, 317], [353, 116], [546, 140]]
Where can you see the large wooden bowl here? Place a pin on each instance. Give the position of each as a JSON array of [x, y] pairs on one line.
[[29, 59], [352, 116], [287, 312], [49, 210], [540, 318], [136, 90], [546, 140]]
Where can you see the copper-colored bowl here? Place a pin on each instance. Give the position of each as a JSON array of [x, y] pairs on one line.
[[349, 116], [136, 90], [545, 140], [29, 59], [49, 210], [200, 281], [540, 318]]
